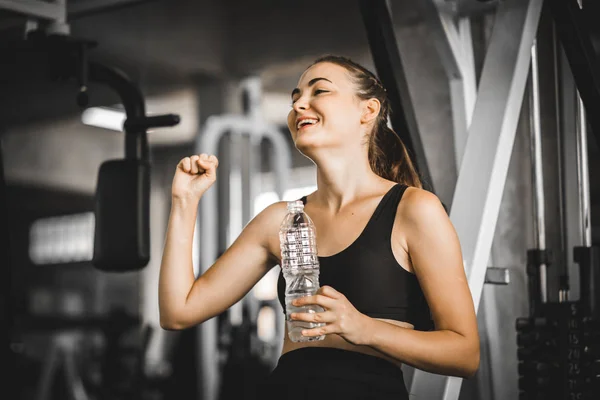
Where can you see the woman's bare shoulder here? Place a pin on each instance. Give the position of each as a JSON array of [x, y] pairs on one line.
[[266, 225], [420, 206], [272, 215]]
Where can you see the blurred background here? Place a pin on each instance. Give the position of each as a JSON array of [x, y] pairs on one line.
[[206, 76]]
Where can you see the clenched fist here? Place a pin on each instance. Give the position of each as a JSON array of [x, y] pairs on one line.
[[194, 175]]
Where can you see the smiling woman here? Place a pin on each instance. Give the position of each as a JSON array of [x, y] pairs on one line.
[[394, 288]]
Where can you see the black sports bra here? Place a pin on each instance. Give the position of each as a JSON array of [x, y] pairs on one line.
[[367, 272]]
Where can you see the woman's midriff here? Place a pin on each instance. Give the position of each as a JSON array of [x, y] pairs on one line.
[[339, 342]]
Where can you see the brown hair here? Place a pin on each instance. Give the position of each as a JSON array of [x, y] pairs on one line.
[[388, 155]]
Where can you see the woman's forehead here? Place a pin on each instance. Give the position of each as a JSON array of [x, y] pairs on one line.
[[332, 72]]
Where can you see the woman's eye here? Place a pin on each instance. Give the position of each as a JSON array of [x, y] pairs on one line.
[[316, 92]]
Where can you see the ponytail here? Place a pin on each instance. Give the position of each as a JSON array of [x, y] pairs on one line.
[[389, 157]]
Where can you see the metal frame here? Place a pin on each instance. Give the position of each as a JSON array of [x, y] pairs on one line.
[[537, 172], [572, 28], [62, 353], [583, 177], [569, 174], [482, 176], [55, 12], [83, 8], [6, 317], [388, 63], [471, 7], [452, 38], [207, 224], [36, 8]]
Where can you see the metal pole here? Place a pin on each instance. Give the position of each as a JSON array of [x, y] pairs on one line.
[[564, 289], [136, 141], [6, 320], [206, 226], [586, 255], [537, 175], [583, 178], [235, 209]]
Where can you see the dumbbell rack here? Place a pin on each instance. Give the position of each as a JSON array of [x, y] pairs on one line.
[[559, 343]]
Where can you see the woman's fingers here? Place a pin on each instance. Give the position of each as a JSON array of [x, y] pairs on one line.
[[318, 299], [185, 164], [208, 165], [213, 159], [194, 175], [198, 163], [203, 162], [320, 331], [320, 317], [194, 164], [328, 291]]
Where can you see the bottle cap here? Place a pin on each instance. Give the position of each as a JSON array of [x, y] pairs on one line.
[[295, 205]]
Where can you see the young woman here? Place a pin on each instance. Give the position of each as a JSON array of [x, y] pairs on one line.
[[391, 262]]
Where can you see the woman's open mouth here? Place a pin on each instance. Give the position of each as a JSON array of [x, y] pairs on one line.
[[306, 123]]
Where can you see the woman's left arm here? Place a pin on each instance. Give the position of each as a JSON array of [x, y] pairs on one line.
[[434, 249]]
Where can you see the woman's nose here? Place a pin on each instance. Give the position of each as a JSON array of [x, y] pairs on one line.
[[300, 104]]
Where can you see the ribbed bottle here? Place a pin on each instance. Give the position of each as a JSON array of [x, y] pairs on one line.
[[300, 267]]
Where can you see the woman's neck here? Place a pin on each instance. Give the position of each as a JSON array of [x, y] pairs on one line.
[[341, 180]]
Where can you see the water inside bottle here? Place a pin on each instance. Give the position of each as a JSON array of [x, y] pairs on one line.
[[295, 327]]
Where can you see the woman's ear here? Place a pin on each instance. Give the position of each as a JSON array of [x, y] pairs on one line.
[[370, 111]]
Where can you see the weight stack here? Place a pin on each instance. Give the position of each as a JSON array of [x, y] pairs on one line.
[[558, 354]]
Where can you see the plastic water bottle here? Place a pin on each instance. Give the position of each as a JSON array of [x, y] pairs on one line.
[[300, 267]]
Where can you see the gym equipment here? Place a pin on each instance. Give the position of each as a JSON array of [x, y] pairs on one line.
[[122, 237], [122, 209], [558, 342], [250, 126], [122, 231], [120, 367], [575, 21]]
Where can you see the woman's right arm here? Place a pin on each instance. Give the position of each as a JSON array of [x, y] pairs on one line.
[[185, 301]]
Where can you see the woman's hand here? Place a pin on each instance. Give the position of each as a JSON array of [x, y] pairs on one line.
[[194, 175], [340, 316]]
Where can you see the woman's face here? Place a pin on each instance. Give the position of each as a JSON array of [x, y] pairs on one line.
[[325, 110]]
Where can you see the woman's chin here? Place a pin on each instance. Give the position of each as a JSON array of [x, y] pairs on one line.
[[309, 142]]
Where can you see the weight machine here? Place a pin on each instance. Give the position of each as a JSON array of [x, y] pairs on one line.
[[121, 237], [558, 341]]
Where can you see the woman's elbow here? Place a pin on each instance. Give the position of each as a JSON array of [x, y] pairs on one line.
[[179, 321], [471, 365], [172, 323]]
